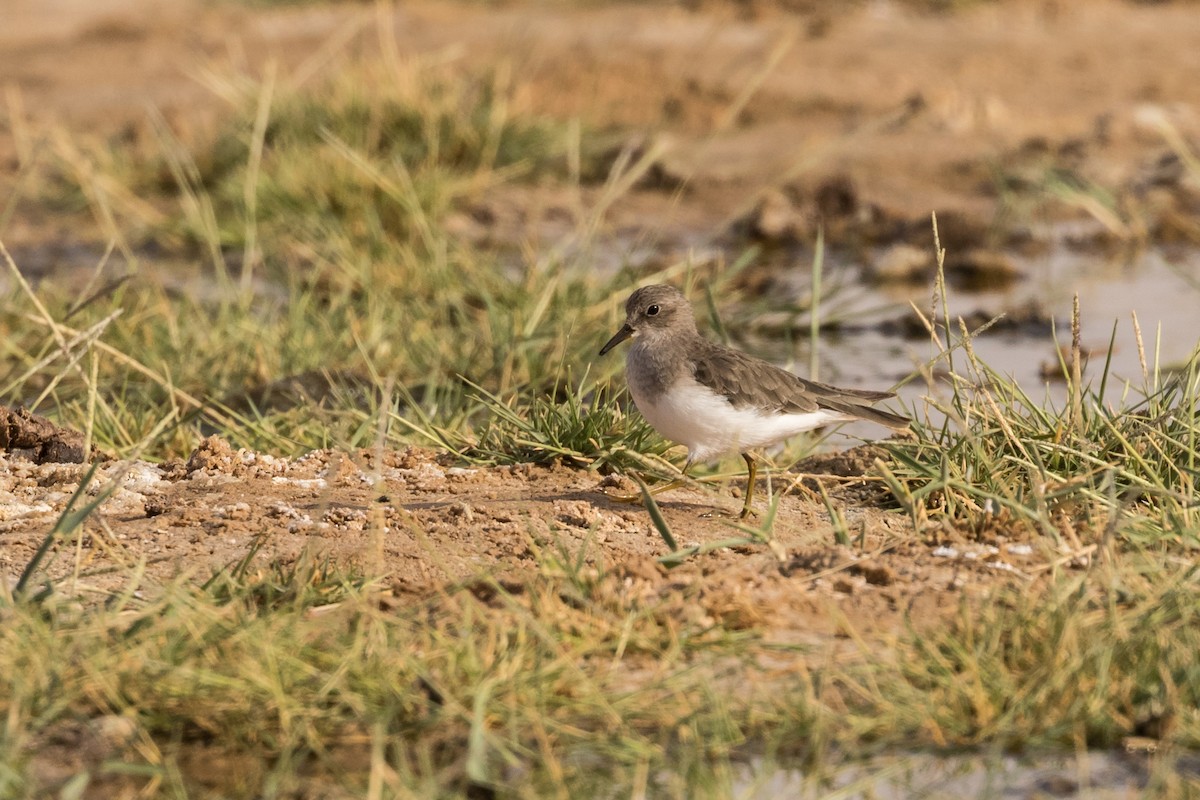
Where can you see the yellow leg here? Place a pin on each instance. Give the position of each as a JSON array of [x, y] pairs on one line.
[[752, 466]]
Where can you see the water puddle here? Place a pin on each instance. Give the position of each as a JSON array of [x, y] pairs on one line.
[[877, 341], [1099, 775]]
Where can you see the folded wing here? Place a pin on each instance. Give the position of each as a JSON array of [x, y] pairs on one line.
[[751, 382]]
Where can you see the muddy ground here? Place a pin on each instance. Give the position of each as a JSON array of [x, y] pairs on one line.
[[768, 116]]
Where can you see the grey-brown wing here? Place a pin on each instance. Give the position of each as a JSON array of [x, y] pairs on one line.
[[751, 382]]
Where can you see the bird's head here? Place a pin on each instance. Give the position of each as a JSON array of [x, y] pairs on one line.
[[654, 312]]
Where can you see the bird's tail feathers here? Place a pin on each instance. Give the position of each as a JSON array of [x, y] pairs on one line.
[[870, 414]]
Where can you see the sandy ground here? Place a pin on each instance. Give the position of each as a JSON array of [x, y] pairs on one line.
[[421, 525], [883, 113]]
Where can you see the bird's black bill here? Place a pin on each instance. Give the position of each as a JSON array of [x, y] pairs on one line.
[[617, 338]]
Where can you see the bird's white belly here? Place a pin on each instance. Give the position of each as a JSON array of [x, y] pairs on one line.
[[710, 426]]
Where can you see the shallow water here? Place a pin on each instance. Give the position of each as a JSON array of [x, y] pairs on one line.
[[1161, 288], [1102, 775]]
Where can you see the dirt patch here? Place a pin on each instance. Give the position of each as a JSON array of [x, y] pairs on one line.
[[860, 119], [424, 525]]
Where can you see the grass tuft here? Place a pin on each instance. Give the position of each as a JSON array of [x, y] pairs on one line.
[[1101, 468], [585, 426], [1091, 470]]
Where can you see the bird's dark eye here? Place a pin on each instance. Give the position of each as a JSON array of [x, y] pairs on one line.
[[652, 311]]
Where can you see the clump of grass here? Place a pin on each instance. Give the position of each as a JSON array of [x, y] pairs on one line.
[[589, 425], [362, 161], [304, 583], [1098, 469], [1112, 469], [1083, 661], [360, 164]]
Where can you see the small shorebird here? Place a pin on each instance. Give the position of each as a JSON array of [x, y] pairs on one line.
[[717, 400]]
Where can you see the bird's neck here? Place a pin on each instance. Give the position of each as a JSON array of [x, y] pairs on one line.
[[651, 367]]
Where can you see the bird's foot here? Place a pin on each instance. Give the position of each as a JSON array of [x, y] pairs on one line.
[[636, 497], [745, 513]]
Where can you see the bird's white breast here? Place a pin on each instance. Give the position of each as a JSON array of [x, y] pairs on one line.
[[694, 415]]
